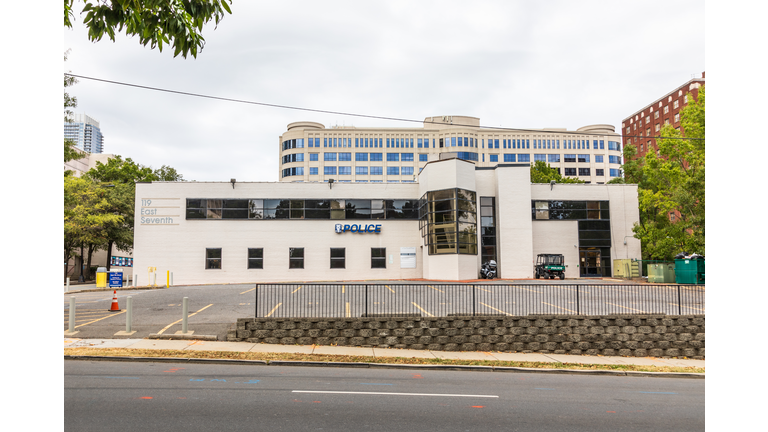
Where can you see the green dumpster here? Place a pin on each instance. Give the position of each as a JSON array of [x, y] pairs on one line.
[[661, 273], [689, 271]]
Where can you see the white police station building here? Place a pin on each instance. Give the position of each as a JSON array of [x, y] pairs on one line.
[[443, 226]]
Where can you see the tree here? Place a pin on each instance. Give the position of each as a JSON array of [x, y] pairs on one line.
[[541, 172], [671, 188], [87, 214], [121, 200], [69, 102], [156, 22]]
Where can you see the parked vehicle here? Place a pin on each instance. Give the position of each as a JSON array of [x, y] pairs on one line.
[[488, 270], [548, 266]]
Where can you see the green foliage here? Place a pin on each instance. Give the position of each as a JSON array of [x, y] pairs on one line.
[[673, 183], [166, 173], [156, 22], [541, 172], [88, 214], [69, 102]]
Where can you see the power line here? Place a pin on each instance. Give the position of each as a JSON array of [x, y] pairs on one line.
[[363, 115]]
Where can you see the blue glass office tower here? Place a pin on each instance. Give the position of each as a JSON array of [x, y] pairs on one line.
[[85, 131]]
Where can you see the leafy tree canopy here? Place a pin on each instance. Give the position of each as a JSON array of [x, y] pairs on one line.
[[671, 187], [156, 22], [541, 172]]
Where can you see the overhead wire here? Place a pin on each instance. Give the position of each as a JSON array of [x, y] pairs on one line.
[[364, 115]]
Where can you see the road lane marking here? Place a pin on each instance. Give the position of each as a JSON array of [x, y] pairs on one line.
[[176, 322], [273, 310], [297, 289], [636, 310], [497, 310], [394, 394], [393, 291], [248, 290], [421, 309], [573, 311]]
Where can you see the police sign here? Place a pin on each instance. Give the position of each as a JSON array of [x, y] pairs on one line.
[[358, 228]]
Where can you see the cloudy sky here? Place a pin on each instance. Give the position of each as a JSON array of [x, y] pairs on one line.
[[511, 63]]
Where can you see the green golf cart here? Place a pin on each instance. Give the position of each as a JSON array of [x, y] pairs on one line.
[[548, 266]]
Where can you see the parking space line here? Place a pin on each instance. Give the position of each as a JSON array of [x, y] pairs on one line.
[[573, 311], [435, 289], [497, 310], [273, 310], [348, 314], [297, 289], [688, 307], [537, 292], [393, 291], [636, 310], [190, 315], [422, 309], [108, 316], [483, 289], [248, 290]]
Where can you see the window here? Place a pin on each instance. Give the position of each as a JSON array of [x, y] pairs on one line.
[[583, 158], [542, 209], [393, 170], [393, 157], [346, 157], [615, 172], [569, 158], [570, 171], [361, 157], [345, 170], [677, 118], [657, 127], [378, 258], [312, 157], [598, 158], [328, 157], [256, 258], [423, 158], [376, 157], [509, 158], [539, 157], [296, 258], [376, 170], [523, 158], [666, 109], [494, 158], [584, 171], [599, 172], [212, 258], [407, 171], [656, 115], [449, 221], [313, 171], [361, 170], [338, 258], [553, 158], [614, 159], [406, 157], [676, 105], [329, 170]]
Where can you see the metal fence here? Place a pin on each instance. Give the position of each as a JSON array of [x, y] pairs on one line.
[[440, 300]]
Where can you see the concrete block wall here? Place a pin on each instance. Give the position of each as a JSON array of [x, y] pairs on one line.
[[608, 335]]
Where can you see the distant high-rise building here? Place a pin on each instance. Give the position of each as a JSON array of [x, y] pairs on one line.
[[85, 131]]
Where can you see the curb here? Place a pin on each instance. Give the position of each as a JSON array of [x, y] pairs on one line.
[[183, 337], [467, 368]]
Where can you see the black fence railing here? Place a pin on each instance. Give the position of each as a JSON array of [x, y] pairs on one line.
[[440, 300]]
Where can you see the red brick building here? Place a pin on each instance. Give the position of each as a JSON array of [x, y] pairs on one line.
[[639, 128]]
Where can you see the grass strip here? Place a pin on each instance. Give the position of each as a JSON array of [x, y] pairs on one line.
[[237, 355]]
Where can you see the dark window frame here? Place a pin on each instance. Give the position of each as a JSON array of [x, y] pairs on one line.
[[213, 262]]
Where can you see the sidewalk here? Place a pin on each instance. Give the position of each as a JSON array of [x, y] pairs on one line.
[[193, 345]]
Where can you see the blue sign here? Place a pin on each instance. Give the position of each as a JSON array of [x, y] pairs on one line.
[[115, 279], [358, 228]]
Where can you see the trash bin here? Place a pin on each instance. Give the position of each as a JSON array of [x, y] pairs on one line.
[[689, 271], [116, 278], [101, 277], [661, 273]]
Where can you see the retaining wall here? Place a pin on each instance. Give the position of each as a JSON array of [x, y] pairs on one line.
[[609, 335]]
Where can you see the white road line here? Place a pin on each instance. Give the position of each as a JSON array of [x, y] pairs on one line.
[[394, 394]]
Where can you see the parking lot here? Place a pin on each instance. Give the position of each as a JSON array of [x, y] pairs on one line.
[[213, 309]]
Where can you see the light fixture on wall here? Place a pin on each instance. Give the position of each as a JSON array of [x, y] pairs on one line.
[[233, 182], [330, 183], [551, 184]]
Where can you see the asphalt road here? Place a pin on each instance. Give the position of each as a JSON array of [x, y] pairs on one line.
[[130, 396], [214, 309]]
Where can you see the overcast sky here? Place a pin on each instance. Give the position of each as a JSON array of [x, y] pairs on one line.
[[519, 64]]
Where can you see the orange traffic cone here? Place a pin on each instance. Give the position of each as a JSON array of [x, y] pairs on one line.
[[115, 307]]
